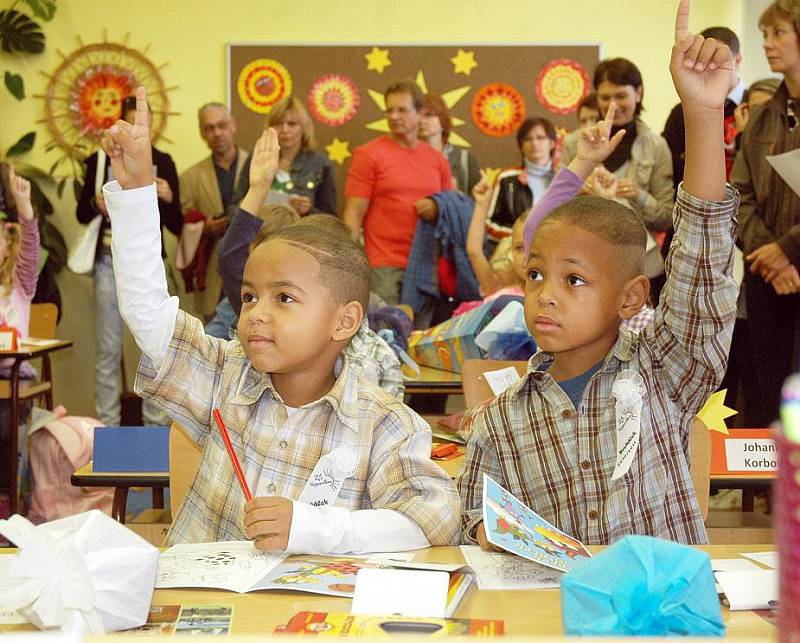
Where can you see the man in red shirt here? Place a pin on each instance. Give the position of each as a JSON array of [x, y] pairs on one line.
[[388, 179]]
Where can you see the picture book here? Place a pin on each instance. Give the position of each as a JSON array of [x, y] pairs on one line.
[[495, 571], [340, 625], [513, 526]]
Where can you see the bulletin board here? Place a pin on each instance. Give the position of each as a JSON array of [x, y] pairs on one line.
[[490, 90]]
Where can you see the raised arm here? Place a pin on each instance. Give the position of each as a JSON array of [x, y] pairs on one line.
[[26, 271], [487, 279]]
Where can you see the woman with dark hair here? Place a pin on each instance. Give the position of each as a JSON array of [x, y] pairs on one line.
[[435, 128], [588, 112], [769, 217], [517, 189], [642, 161]]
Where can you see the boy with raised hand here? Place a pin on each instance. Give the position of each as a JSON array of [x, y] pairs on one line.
[[335, 464], [595, 437]]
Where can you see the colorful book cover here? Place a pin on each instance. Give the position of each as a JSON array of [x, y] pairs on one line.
[[168, 620], [515, 527], [357, 625]]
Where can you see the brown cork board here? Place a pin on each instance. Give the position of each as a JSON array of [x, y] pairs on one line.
[[508, 84]]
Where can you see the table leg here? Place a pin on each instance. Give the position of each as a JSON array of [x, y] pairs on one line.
[[120, 504], [748, 499], [158, 497]]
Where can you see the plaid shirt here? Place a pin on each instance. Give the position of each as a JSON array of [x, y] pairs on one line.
[[376, 361], [279, 453], [559, 460]]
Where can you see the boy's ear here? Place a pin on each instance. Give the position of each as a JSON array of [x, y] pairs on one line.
[[634, 296], [348, 320]]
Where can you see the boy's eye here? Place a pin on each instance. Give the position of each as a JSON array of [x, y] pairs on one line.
[[575, 280], [248, 298], [534, 275], [285, 299]]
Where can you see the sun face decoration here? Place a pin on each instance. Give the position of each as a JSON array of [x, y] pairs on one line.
[[96, 98], [498, 109], [561, 85], [333, 99], [262, 83]]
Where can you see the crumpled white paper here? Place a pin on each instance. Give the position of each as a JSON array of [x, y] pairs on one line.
[[85, 574]]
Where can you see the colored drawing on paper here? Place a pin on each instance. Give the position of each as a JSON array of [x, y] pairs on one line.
[[561, 85], [333, 99], [377, 60], [338, 151], [262, 83], [322, 575], [498, 109], [516, 528]]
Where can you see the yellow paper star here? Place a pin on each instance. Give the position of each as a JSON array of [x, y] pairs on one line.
[[491, 174], [378, 60], [714, 412], [464, 62], [338, 150]]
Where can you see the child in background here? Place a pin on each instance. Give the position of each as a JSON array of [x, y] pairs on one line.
[[551, 439], [296, 411]]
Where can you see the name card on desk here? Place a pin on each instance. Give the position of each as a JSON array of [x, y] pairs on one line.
[[743, 451], [8, 338]]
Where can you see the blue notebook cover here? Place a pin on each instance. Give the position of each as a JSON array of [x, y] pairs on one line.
[[131, 449]]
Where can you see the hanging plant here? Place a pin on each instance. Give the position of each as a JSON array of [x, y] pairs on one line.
[[19, 33]]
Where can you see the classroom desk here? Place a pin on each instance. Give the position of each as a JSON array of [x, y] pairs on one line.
[[749, 484], [434, 381], [122, 482], [526, 613], [13, 388]]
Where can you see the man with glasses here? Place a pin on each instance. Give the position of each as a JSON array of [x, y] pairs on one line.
[[388, 177], [207, 188]]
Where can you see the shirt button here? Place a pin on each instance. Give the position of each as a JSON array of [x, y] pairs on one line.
[[271, 488], [586, 464], [284, 444], [538, 376], [567, 414], [592, 515]]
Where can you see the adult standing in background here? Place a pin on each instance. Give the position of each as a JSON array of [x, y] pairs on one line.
[[304, 175], [769, 215], [207, 189], [642, 161], [388, 177], [108, 321]]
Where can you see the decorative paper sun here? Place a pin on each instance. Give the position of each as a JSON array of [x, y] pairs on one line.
[[450, 98], [333, 99], [561, 84], [498, 109], [85, 92], [262, 83]]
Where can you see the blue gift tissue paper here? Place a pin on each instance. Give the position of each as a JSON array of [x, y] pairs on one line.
[[642, 586]]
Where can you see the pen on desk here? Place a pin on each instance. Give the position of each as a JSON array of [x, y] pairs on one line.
[[234, 460]]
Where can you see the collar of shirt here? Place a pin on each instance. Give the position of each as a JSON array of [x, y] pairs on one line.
[[342, 398], [737, 93]]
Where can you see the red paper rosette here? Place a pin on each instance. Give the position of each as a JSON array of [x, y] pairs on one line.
[[333, 99], [262, 83], [498, 109]]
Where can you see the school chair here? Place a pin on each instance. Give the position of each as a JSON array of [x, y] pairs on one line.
[[184, 459], [476, 388]]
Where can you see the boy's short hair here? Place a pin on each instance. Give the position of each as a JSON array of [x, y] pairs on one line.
[[609, 220], [275, 217], [343, 266], [725, 36]]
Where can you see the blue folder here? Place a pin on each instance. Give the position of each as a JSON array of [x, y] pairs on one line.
[[131, 449]]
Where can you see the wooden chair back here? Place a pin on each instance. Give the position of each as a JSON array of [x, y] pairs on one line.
[[184, 458], [43, 321], [476, 388]]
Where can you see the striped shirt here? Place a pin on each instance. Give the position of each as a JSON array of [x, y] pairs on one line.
[[278, 452], [558, 459]]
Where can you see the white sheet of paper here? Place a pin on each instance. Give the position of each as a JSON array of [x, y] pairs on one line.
[[385, 557], [501, 379], [406, 592], [8, 616], [731, 565], [787, 166], [33, 341], [749, 590], [506, 571], [767, 558]]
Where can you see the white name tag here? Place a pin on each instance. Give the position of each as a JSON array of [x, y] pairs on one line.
[[628, 391], [325, 482], [755, 454]]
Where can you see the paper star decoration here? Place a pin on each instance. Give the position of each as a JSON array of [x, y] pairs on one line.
[[714, 412], [338, 150], [378, 60], [491, 174], [464, 62]]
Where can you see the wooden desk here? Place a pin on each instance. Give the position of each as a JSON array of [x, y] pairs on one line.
[[122, 482], [433, 381], [748, 483], [13, 391], [526, 613]]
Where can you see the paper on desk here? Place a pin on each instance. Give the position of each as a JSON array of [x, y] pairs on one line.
[[407, 592], [749, 590], [506, 571], [731, 565], [787, 166], [8, 616], [501, 379], [34, 341], [767, 558]]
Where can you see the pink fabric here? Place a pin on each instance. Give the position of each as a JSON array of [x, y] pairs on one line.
[[466, 306], [56, 450]]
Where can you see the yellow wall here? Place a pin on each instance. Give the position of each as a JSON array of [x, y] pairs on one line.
[[191, 37]]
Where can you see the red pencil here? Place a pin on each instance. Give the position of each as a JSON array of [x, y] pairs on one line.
[[236, 466]]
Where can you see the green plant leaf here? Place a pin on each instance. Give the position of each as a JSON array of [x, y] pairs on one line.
[[44, 9], [20, 33], [15, 85], [23, 145], [60, 189]]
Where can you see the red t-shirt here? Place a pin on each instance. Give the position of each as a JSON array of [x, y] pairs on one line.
[[393, 178]]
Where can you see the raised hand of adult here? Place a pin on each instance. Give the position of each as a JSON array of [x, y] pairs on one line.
[[129, 148], [595, 142], [701, 68]]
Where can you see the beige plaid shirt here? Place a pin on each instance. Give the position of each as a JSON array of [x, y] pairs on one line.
[[558, 459], [278, 453]]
